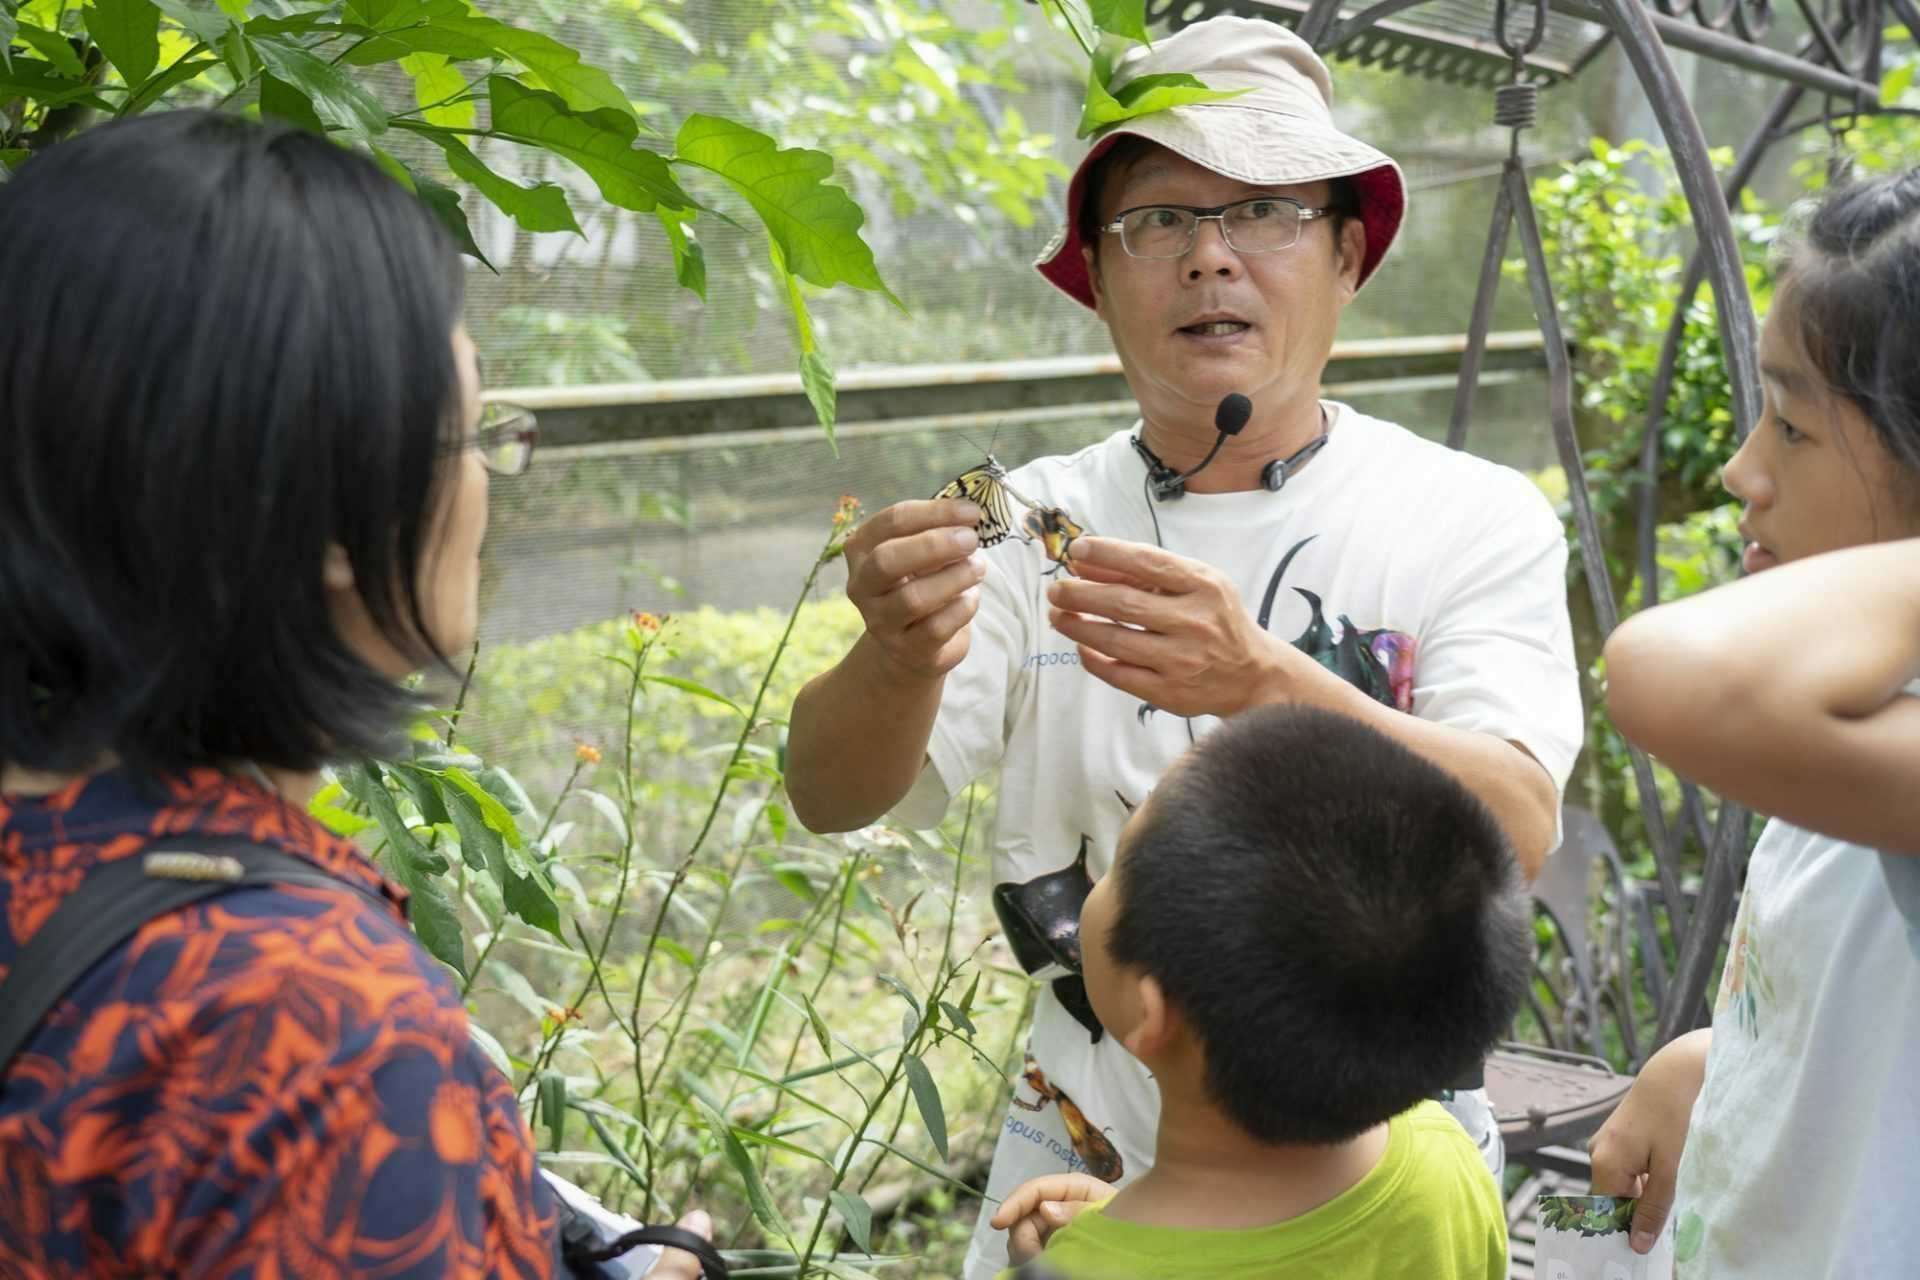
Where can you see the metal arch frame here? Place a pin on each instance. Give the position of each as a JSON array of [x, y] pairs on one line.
[[1821, 66]]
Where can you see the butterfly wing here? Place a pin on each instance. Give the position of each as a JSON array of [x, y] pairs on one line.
[[984, 487]]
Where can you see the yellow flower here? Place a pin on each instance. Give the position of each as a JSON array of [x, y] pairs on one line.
[[587, 753], [646, 622]]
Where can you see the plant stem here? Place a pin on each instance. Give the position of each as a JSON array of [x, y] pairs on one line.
[[686, 863]]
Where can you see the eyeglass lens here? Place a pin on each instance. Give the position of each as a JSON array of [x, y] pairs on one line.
[[1251, 226]]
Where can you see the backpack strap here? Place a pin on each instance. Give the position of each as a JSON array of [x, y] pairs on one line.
[[116, 899]]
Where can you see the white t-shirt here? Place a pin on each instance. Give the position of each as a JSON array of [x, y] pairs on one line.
[[1440, 578], [1803, 1155]]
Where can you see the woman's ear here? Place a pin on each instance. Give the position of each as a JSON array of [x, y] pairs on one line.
[[336, 569]]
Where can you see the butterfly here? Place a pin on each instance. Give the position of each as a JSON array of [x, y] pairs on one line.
[[1055, 531], [986, 487]]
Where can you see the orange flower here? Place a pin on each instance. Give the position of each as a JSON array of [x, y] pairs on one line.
[[847, 512], [646, 622], [587, 753]]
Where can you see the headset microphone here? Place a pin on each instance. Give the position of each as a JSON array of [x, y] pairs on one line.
[[1233, 413]]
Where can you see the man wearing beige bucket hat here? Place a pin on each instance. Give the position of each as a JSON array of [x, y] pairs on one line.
[[1219, 242]]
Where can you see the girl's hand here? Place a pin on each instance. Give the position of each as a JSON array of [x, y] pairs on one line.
[[1040, 1207], [1637, 1151]]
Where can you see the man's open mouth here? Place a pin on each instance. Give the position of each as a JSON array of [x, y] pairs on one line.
[[1215, 328]]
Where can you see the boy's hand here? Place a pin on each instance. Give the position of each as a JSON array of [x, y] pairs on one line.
[[678, 1264], [1040, 1207], [1637, 1151]]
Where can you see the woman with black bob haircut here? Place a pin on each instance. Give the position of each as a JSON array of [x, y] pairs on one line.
[[243, 488]]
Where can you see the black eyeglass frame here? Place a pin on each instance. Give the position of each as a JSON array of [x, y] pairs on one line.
[[1217, 213], [501, 423]]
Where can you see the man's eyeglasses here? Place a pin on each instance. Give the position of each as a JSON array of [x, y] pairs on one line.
[[505, 437], [1262, 224]]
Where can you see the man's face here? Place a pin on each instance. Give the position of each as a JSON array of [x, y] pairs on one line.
[[1280, 309]]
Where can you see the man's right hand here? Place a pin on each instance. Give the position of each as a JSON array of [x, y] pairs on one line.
[[1637, 1151], [912, 574]]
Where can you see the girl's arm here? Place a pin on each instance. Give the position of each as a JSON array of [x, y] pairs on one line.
[[1783, 691]]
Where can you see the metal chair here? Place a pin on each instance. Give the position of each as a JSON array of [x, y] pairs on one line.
[[1553, 1091]]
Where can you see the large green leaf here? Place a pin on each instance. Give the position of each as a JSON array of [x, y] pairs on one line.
[[8, 25], [207, 25], [445, 203], [757, 1194], [35, 78], [235, 9], [817, 225], [280, 99], [1121, 17], [433, 918], [436, 83], [54, 47], [1141, 97], [336, 98], [541, 207], [600, 142], [128, 32], [557, 67]]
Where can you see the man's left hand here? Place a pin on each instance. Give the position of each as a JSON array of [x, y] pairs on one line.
[[1172, 631]]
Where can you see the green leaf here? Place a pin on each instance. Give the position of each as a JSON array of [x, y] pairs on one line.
[[1894, 85], [434, 81], [336, 98], [11, 158], [364, 782], [552, 1102], [541, 207], [599, 142], [698, 690], [339, 821], [480, 844], [8, 26], [492, 810], [433, 918], [283, 101], [425, 790], [743, 1165], [816, 375], [1140, 97], [159, 86], [557, 67], [958, 1017], [531, 900], [445, 203], [207, 25], [857, 1216], [54, 47], [35, 78], [819, 1024], [901, 987], [817, 225], [689, 258], [926, 1095], [1121, 17], [394, 169], [235, 9]]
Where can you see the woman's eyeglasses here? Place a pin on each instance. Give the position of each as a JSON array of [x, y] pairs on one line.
[[505, 437]]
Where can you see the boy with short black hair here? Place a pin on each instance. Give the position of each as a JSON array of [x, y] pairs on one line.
[[1309, 930]]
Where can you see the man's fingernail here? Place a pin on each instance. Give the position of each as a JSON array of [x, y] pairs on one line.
[[965, 540], [1642, 1241]]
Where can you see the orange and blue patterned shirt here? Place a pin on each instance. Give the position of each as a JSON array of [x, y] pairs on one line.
[[275, 1082]]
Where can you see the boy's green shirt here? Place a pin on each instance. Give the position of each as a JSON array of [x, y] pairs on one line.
[[1428, 1211]]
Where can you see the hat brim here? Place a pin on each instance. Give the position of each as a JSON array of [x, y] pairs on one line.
[[1252, 145]]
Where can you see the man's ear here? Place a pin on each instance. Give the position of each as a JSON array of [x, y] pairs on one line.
[[1092, 259], [336, 569], [1158, 1024], [1353, 252]]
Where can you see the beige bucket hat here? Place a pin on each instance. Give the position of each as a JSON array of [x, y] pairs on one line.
[[1279, 132]]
